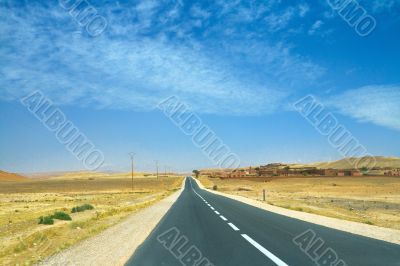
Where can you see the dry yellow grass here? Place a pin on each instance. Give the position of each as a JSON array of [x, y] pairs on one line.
[[23, 241], [80, 175], [371, 200]]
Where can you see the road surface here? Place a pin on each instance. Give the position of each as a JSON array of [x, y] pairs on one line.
[[205, 229]]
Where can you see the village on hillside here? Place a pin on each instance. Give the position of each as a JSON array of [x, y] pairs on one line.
[[281, 169]]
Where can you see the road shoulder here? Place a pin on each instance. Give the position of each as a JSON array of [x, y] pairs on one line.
[[380, 233], [115, 245]]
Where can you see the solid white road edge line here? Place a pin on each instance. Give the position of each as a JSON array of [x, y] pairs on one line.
[[271, 256], [233, 226]]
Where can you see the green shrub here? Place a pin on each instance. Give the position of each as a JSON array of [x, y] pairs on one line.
[[57, 215], [82, 208], [61, 216], [46, 220], [88, 207]]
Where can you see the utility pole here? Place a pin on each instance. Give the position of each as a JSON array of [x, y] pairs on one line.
[[157, 167], [132, 155], [165, 171]]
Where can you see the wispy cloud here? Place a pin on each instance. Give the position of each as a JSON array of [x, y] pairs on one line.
[[277, 21], [317, 24], [141, 59], [383, 5], [280, 21], [378, 104], [303, 10]]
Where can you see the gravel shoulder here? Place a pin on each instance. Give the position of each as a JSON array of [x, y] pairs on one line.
[[115, 245], [380, 233]]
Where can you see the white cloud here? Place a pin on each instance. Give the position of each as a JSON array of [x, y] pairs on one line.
[[379, 104], [280, 21], [303, 10], [198, 12], [317, 24], [124, 68]]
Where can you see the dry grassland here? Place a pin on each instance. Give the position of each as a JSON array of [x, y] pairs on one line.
[[23, 241], [371, 200]]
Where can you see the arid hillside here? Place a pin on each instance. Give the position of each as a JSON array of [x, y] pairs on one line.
[[345, 163], [382, 162], [11, 177]]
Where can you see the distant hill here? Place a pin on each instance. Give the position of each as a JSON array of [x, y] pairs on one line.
[[11, 177], [381, 161], [347, 163], [65, 175]]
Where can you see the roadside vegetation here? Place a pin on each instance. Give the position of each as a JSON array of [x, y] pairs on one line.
[[82, 208], [57, 215], [46, 220], [40, 218]]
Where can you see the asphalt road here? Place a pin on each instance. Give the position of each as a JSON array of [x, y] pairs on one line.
[[205, 229]]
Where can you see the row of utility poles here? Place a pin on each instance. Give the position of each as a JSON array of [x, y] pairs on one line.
[[132, 156]]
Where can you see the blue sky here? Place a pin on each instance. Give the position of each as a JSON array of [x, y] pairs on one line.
[[239, 65]]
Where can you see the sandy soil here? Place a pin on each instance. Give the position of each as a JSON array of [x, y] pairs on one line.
[[369, 200], [115, 245], [23, 241], [385, 234]]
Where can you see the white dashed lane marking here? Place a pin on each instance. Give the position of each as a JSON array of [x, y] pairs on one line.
[[233, 226], [263, 250]]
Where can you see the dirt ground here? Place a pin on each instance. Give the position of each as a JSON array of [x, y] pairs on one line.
[[85, 185], [23, 241], [370, 200]]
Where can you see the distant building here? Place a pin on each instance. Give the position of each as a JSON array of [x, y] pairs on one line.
[[349, 172], [238, 173], [329, 172], [392, 172], [253, 171], [356, 173], [264, 170], [214, 173], [279, 169]]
